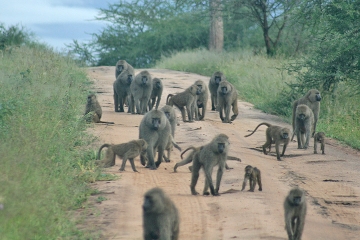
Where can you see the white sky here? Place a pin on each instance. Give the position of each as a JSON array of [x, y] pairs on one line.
[[55, 22]]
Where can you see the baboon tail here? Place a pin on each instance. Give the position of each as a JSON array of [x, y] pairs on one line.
[[167, 99], [104, 145], [176, 145], [233, 158], [264, 123], [189, 148], [106, 122]]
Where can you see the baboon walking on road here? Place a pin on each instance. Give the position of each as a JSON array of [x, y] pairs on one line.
[[274, 134], [140, 89], [155, 130], [312, 100], [160, 216], [124, 73], [252, 174], [125, 151], [304, 125], [201, 101], [212, 154], [155, 93], [319, 137], [214, 82], [295, 212], [227, 98], [93, 111], [171, 116]]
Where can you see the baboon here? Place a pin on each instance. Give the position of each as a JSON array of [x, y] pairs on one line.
[[160, 216], [295, 212], [141, 89], [125, 151], [185, 99], [169, 147], [124, 73], [252, 174], [93, 111], [319, 137], [196, 150], [210, 155], [155, 93], [201, 101], [121, 66], [304, 125], [215, 79], [171, 116], [227, 97], [312, 100], [155, 130], [274, 134]]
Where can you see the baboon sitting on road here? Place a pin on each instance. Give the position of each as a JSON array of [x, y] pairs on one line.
[[93, 111], [319, 137], [253, 175], [227, 97]]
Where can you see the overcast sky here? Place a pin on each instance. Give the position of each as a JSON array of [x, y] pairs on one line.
[[55, 22]]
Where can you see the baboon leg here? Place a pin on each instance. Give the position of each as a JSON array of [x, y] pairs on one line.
[[289, 226], [227, 113], [206, 188], [143, 105], [160, 156], [133, 164], [183, 162], [183, 115], [220, 173], [259, 182], [277, 148], [194, 177], [142, 160], [221, 113], [284, 148], [299, 136], [132, 104], [307, 135], [235, 111], [299, 228], [122, 168], [266, 145], [244, 183], [251, 185], [208, 181], [323, 147], [315, 147], [150, 155], [213, 103], [227, 167], [116, 102], [190, 113]]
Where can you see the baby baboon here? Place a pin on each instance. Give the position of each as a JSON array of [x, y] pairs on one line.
[[277, 135], [125, 151], [124, 73], [252, 174], [210, 155], [312, 100], [160, 216], [155, 93], [171, 116], [185, 99], [304, 125], [319, 137], [93, 111], [214, 82], [227, 97], [155, 130], [141, 89], [295, 212], [201, 101]]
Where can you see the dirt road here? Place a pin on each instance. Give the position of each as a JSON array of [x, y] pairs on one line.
[[331, 181]]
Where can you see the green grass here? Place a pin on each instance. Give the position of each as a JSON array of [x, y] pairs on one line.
[[261, 81], [42, 144]]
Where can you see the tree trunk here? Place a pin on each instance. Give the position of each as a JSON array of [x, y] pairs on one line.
[[216, 41]]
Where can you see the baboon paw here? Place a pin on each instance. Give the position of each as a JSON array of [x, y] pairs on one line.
[[122, 170], [195, 193], [260, 189], [206, 193]]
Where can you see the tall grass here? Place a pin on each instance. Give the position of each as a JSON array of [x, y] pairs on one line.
[[41, 133], [261, 81]]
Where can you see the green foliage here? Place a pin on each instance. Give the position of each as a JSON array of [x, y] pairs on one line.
[[42, 99], [14, 36]]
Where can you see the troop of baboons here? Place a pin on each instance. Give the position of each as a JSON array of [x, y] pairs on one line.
[[142, 94]]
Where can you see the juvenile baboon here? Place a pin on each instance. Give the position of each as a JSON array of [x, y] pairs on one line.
[[227, 97], [185, 99], [215, 79], [201, 101], [125, 151], [196, 150], [155, 130], [171, 116], [93, 111], [295, 212], [312, 100], [210, 155], [252, 174], [304, 125], [274, 134], [319, 137], [160, 216], [155, 93], [124, 73], [169, 147], [140, 89]]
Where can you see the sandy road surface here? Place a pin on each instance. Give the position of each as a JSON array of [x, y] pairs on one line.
[[332, 181]]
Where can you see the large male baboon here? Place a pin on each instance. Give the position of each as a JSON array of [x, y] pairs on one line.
[[125, 151], [140, 89], [185, 99], [312, 100], [210, 155], [93, 111], [214, 82], [124, 74], [201, 100], [155, 93], [295, 212], [252, 174], [304, 125], [227, 97], [274, 134], [160, 216], [319, 137], [155, 130]]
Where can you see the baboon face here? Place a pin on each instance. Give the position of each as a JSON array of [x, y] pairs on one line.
[[157, 85], [167, 114], [285, 133], [153, 202], [156, 123], [248, 170], [198, 89], [221, 142], [120, 68], [129, 79], [217, 80], [302, 111], [221, 147], [224, 90], [296, 197], [144, 80], [314, 95]]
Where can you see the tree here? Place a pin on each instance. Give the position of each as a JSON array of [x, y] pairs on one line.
[[216, 39]]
